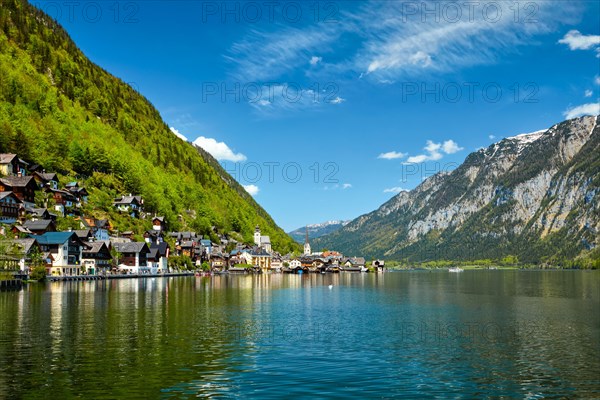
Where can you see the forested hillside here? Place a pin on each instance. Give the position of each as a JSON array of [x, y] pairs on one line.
[[61, 111]]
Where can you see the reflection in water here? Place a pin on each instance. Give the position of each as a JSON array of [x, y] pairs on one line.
[[413, 334]]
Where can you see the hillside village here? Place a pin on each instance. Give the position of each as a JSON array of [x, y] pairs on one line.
[[93, 248]]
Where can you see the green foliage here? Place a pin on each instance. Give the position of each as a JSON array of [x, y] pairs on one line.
[[182, 263], [205, 266], [60, 110], [38, 273]]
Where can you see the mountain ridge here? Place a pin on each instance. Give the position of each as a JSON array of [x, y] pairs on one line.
[[317, 230], [533, 196]]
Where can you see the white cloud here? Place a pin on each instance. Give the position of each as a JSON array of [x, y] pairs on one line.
[[219, 150], [346, 186], [492, 137], [421, 58], [314, 60], [337, 100], [584, 109], [597, 80], [434, 151], [588, 93], [576, 41], [418, 159], [178, 134], [451, 147], [252, 189], [391, 155], [396, 189]]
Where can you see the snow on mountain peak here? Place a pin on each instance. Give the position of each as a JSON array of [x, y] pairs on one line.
[[526, 138]]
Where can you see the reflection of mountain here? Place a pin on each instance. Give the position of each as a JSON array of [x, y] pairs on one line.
[[535, 196], [316, 230]]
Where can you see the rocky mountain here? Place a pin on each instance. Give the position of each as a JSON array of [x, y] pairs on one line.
[[316, 230], [534, 196]]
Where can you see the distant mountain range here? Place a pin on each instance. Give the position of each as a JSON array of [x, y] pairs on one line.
[[316, 230], [534, 196]]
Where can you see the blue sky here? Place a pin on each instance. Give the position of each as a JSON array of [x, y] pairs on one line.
[[326, 110]]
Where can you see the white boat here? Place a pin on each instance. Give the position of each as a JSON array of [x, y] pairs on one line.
[[455, 269]]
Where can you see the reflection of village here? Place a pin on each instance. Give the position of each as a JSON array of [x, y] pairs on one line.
[[95, 249]]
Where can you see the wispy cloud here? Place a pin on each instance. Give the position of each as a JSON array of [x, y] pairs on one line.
[[577, 41], [389, 42], [391, 155], [314, 60], [337, 186], [252, 189], [395, 189], [178, 134], [435, 151], [219, 150], [266, 56], [492, 137], [584, 109], [337, 100], [588, 93]]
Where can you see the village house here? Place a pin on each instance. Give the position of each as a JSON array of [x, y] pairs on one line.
[[159, 224], [28, 247], [133, 257], [40, 226], [46, 180], [276, 263], [79, 192], [131, 205], [261, 259], [354, 264], [294, 263], [152, 236], [23, 187], [66, 251], [40, 213], [65, 202], [218, 261], [100, 227], [11, 207], [22, 249], [158, 258], [240, 257], [20, 231], [84, 234], [11, 165], [96, 258], [379, 265]]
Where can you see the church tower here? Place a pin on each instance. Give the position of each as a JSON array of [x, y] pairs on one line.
[[307, 251], [257, 235]]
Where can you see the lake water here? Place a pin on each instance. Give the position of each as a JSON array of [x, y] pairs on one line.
[[400, 334]]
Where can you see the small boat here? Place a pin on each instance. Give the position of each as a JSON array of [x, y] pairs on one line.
[[455, 269]]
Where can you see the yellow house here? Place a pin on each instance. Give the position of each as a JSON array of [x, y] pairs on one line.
[[262, 259]]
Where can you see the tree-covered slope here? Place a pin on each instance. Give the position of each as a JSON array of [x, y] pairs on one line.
[[534, 196], [61, 111]]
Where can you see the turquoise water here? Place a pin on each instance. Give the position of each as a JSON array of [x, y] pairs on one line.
[[400, 334]]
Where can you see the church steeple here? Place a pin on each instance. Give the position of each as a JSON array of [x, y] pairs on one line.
[[257, 235], [307, 251]]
